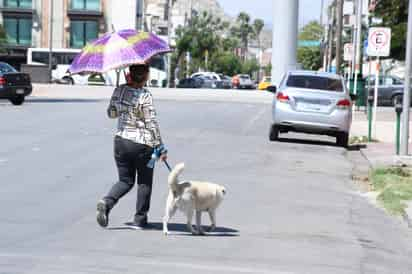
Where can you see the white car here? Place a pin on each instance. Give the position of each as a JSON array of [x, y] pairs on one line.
[[312, 102]]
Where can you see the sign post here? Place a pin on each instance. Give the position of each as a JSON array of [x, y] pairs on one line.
[[348, 56], [379, 45]]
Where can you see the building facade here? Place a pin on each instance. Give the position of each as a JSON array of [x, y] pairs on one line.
[[74, 23]]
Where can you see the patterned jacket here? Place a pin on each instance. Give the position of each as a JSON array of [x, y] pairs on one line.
[[137, 116]]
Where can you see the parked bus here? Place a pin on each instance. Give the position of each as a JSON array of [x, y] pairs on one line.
[[62, 58]]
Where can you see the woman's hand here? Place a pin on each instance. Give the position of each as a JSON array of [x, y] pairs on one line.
[[163, 157]]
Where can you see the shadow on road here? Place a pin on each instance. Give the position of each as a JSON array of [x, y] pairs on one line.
[[354, 147], [62, 100], [306, 142], [174, 227]]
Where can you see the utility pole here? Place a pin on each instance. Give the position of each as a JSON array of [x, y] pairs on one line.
[[339, 23], [407, 88], [331, 27], [326, 48], [358, 60], [169, 39], [51, 40]]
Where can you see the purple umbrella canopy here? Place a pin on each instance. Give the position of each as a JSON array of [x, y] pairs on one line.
[[118, 50]]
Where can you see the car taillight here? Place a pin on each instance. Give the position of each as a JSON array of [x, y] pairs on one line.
[[345, 103], [282, 97], [2, 81]]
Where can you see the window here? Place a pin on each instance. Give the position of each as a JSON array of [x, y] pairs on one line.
[[26, 4], [314, 82], [397, 81], [158, 62], [388, 81], [6, 68], [58, 58], [93, 5], [82, 32], [18, 30]]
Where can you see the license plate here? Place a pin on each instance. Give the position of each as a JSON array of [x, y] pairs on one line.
[[20, 91], [309, 107]]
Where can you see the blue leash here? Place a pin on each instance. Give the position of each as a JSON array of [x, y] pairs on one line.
[[167, 165]]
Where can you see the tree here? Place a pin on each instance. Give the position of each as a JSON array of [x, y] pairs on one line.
[[2, 38], [244, 30], [310, 57], [258, 25], [227, 63], [394, 14], [250, 66], [204, 33]]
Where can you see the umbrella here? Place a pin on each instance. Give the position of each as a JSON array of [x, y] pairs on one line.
[[118, 50]]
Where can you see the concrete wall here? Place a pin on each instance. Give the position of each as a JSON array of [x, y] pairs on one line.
[[123, 14], [37, 23], [58, 24]]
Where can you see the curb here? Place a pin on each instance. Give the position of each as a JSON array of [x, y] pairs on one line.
[[359, 173]]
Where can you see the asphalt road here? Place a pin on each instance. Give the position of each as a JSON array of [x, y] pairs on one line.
[[290, 208]]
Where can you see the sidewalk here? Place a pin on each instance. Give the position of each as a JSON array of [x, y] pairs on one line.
[[383, 152]]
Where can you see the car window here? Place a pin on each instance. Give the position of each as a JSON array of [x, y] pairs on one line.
[[397, 81], [6, 68], [314, 82], [388, 81], [245, 77]]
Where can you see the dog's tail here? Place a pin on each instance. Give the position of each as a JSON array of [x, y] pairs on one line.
[[174, 174]]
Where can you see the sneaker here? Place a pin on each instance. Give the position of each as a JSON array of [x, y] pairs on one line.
[[139, 226], [102, 216], [134, 225]]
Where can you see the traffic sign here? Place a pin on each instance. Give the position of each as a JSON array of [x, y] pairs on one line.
[[309, 43], [348, 52], [379, 42]]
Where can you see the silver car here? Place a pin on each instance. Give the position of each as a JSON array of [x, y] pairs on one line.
[[312, 102]]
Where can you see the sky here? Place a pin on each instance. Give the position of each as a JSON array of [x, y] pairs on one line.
[[309, 9]]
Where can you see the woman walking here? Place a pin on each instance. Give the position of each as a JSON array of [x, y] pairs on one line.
[[136, 138]]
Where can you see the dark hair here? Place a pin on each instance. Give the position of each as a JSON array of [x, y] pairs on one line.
[[138, 72]]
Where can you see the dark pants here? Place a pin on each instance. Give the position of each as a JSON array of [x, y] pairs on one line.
[[132, 158]]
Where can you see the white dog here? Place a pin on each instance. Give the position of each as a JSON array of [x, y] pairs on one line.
[[190, 196]]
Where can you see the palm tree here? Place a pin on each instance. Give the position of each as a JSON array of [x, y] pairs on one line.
[[244, 31], [258, 25], [2, 38]]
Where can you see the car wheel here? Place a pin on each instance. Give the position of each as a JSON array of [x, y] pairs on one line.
[[274, 133], [342, 139], [69, 80], [17, 101], [395, 99]]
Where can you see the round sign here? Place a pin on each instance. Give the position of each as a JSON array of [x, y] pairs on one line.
[[379, 39]]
